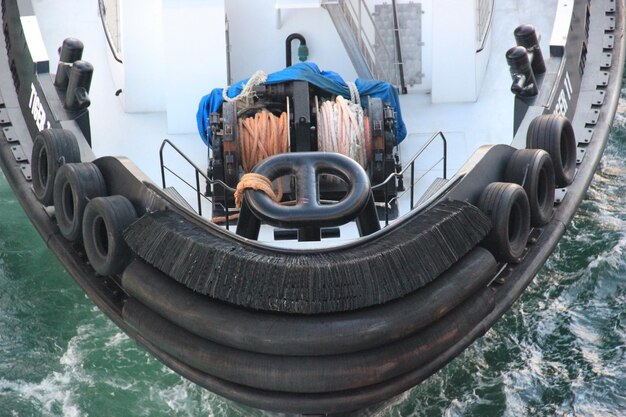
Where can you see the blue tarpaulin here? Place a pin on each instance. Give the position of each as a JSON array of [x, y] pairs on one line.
[[306, 71]]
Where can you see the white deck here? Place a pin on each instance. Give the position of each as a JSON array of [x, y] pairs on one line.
[[488, 120]]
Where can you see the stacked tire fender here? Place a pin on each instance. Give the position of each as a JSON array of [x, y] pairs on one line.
[[525, 198], [84, 211]]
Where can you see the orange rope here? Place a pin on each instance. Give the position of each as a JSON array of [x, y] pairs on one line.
[[262, 136], [251, 181], [258, 182]]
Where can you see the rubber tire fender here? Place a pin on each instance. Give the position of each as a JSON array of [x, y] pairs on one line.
[[104, 220], [52, 148], [507, 206], [74, 186], [554, 134], [533, 170]]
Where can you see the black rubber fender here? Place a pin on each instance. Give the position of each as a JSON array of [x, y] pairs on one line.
[[310, 374], [372, 271], [74, 186], [554, 134], [507, 206], [308, 335], [104, 220], [52, 148], [533, 170]]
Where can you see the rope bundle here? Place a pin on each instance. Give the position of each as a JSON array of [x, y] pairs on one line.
[[341, 129], [262, 136], [247, 91]]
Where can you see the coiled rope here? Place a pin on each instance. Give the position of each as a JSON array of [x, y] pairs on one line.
[[341, 129], [262, 136]]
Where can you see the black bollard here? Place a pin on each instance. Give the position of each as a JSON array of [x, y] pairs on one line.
[[70, 52], [77, 96], [524, 83], [526, 36]]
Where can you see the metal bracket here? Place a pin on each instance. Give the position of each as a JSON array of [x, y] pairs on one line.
[[608, 41], [611, 8], [606, 60], [602, 79], [26, 171], [9, 133], [4, 117], [598, 97], [586, 136], [559, 195], [580, 155], [18, 153], [592, 117]]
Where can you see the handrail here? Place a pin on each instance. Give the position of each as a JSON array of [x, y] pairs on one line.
[[411, 165], [418, 153], [486, 30], [198, 171], [102, 11], [349, 9]]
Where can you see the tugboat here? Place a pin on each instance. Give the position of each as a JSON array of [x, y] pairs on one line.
[[325, 245]]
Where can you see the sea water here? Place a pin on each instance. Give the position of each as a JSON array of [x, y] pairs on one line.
[[559, 351]]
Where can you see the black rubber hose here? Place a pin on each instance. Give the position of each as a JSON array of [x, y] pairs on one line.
[[327, 334], [309, 374]]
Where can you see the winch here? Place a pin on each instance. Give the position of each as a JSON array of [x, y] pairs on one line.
[[297, 116]]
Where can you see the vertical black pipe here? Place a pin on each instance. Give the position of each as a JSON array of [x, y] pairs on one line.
[[288, 41], [396, 29]]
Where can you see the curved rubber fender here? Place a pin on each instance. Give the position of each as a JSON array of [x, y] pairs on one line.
[[360, 274], [554, 134], [104, 221], [52, 148], [533, 170], [74, 186], [507, 206], [308, 335], [309, 374]]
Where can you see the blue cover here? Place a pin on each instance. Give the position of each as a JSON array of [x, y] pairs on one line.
[[307, 71]]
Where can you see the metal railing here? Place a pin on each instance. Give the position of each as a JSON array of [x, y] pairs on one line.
[[198, 174], [109, 15], [411, 165], [359, 15], [485, 10], [226, 189]]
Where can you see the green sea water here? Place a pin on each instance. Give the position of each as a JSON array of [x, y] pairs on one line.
[[560, 351]]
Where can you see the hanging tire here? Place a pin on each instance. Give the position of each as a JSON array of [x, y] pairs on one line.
[[554, 134], [533, 170], [507, 206], [52, 148], [104, 221], [74, 185]]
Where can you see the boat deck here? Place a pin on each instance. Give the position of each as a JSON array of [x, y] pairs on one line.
[[138, 136]]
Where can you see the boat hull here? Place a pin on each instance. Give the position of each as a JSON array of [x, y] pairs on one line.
[[253, 370]]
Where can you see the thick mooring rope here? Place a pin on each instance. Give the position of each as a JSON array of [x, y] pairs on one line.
[[341, 129], [247, 92], [251, 181], [262, 136]]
